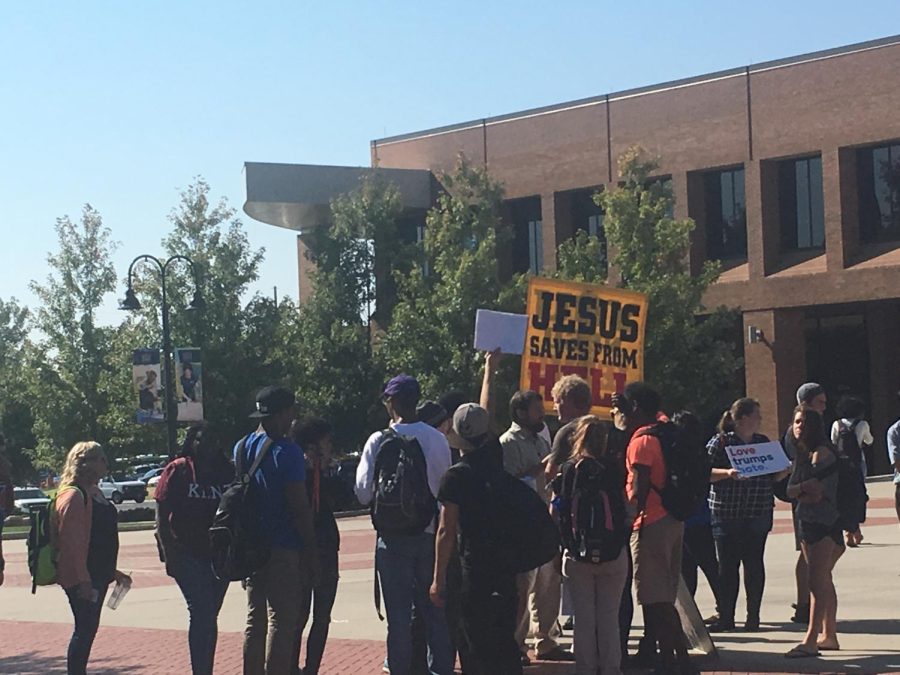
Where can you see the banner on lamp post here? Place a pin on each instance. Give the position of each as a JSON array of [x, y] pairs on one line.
[[147, 383], [189, 384], [596, 332]]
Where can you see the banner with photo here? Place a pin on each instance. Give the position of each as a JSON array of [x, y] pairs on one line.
[[189, 384], [146, 377], [590, 330]]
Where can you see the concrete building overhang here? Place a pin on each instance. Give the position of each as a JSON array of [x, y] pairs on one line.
[[298, 196]]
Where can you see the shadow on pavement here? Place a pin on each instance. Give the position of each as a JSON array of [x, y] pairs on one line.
[[32, 663]]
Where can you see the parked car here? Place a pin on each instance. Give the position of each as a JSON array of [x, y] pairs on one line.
[[27, 497], [149, 476], [118, 491]]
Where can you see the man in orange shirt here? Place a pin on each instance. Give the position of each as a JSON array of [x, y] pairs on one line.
[[656, 537]]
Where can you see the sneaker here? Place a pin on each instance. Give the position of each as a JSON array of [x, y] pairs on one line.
[[721, 626], [556, 654], [384, 667], [711, 619], [751, 625]]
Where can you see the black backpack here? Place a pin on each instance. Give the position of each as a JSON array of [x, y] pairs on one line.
[[521, 534], [237, 543], [593, 522], [403, 503], [687, 470], [848, 443], [851, 490]]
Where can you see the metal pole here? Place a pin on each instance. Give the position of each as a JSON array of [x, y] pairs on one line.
[[171, 405]]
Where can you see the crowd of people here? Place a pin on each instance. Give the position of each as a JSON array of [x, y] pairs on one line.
[[431, 480]]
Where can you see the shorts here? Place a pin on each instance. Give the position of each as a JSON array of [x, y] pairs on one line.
[[656, 550], [796, 526], [813, 533]]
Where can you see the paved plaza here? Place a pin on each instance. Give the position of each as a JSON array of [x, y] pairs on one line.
[[147, 634]]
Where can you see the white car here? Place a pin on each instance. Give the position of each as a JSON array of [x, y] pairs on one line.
[[28, 497], [117, 491]]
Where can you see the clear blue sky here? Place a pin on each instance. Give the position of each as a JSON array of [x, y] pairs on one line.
[[121, 104]]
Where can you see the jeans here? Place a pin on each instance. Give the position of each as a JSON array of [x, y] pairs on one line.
[[489, 604], [597, 593], [318, 599], [87, 621], [204, 594], [741, 541], [405, 566], [273, 614]]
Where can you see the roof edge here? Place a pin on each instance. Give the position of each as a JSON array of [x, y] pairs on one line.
[[647, 89]]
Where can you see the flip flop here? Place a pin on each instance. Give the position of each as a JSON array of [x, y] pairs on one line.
[[823, 648], [800, 652]]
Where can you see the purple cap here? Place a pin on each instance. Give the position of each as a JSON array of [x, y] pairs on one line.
[[402, 385]]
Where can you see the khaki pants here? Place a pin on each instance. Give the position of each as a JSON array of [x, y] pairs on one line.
[[596, 595], [273, 615], [656, 550], [538, 612]]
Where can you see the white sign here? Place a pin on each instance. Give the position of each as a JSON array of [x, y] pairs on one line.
[[759, 459], [500, 330]]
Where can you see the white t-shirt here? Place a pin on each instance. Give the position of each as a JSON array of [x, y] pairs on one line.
[[863, 432], [434, 447]]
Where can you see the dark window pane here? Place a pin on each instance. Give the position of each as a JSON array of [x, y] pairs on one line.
[[816, 203], [878, 185], [726, 219]]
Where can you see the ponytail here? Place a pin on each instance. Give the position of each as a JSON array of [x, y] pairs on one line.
[[726, 424]]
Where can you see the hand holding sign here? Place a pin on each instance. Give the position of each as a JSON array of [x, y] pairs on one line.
[[758, 459]]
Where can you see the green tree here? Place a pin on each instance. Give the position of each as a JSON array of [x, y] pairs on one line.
[[326, 344], [16, 418], [688, 355], [65, 373], [225, 265], [430, 335]]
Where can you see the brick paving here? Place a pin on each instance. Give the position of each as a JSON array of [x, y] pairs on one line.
[[37, 644]]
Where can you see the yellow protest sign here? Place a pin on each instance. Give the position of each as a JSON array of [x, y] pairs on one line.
[[590, 330]]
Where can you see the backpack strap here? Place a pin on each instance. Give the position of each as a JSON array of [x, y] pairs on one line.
[[260, 456]]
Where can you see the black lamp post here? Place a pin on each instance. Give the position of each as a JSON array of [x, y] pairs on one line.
[[131, 303]]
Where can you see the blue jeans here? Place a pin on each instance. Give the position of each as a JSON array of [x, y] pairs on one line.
[[204, 594], [87, 621], [405, 564]]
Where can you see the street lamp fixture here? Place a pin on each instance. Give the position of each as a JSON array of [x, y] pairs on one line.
[[131, 303]]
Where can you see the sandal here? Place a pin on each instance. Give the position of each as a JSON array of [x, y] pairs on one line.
[[823, 647], [801, 652]]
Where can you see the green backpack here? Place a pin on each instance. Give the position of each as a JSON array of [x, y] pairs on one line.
[[42, 551]]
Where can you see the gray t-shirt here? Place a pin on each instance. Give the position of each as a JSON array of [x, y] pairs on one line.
[[823, 512]]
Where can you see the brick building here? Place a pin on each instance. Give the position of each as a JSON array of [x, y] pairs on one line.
[[790, 168]]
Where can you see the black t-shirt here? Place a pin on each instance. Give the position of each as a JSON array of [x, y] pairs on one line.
[[464, 484], [561, 451], [330, 489]]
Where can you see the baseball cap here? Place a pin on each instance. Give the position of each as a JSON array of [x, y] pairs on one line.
[[470, 422], [272, 400], [402, 385], [433, 414]]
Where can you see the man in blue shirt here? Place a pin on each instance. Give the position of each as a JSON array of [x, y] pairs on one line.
[[273, 593]]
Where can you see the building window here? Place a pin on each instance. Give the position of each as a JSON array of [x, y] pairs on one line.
[[664, 185], [535, 247], [726, 214], [800, 203], [878, 172], [420, 242]]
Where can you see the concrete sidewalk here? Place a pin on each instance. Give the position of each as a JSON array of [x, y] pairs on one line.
[[147, 634]]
